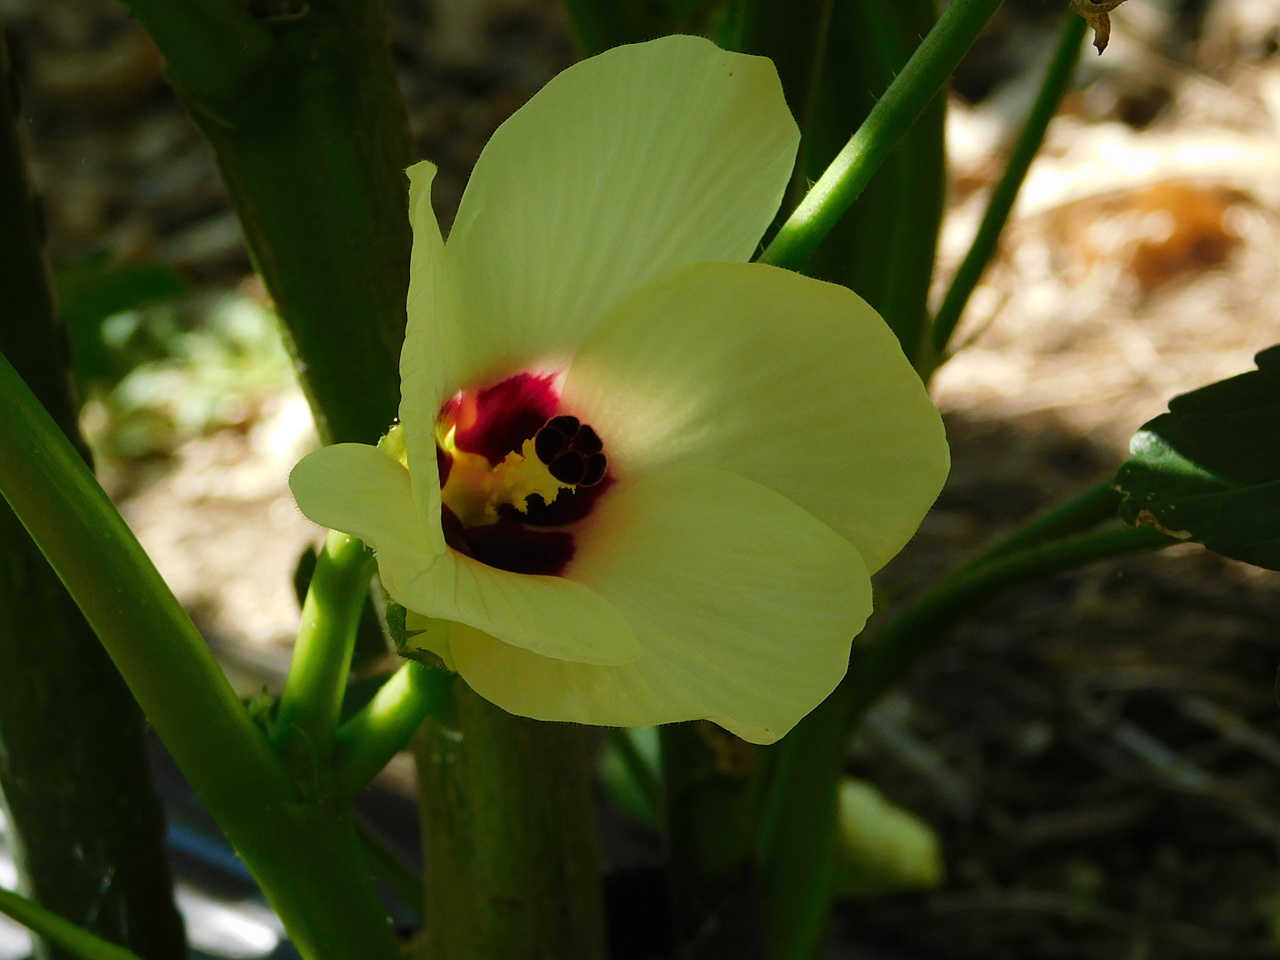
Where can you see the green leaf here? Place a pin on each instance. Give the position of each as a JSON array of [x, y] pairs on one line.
[[60, 931], [1209, 469]]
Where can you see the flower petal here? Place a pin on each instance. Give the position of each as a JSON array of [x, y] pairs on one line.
[[432, 327], [743, 604], [795, 383], [643, 158], [362, 491], [358, 489], [551, 616]]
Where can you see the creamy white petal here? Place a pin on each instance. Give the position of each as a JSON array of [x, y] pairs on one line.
[[795, 383], [551, 616], [358, 489], [644, 158], [430, 338], [744, 607]]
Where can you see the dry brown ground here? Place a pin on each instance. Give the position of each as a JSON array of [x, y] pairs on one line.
[[1101, 752]]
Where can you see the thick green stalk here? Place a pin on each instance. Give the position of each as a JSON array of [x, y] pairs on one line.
[[798, 833], [799, 830], [712, 791], [49, 926], [889, 120], [1056, 82], [513, 862], [312, 697], [85, 824], [384, 726], [306, 859], [312, 140], [213, 49]]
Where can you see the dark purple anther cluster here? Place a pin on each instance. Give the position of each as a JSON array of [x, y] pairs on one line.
[[572, 451]]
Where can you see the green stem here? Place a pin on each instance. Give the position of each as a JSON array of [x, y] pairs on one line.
[[711, 798], [1086, 510], [306, 860], [797, 836], [49, 926], [798, 833], [313, 152], [74, 778], [916, 188], [892, 116], [145, 630], [513, 860], [212, 48], [389, 867], [312, 697], [384, 726], [1056, 82], [309, 863]]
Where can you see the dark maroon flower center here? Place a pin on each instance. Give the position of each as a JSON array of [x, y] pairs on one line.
[[497, 420], [500, 509]]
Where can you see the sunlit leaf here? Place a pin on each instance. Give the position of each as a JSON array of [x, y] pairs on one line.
[[1209, 469]]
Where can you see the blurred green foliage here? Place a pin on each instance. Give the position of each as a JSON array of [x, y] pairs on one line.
[[156, 365]]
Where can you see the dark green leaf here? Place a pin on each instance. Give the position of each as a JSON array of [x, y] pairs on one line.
[[1209, 469]]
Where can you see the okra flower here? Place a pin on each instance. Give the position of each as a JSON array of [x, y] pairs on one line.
[[638, 479]]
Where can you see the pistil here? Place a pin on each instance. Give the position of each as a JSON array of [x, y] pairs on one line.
[[517, 471]]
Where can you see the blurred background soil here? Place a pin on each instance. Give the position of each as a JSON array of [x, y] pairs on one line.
[[1100, 752]]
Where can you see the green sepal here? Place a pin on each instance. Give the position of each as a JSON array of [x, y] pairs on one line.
[[396, 617], [400, 633], [1209, 470]]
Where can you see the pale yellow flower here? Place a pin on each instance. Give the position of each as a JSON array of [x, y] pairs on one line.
[[731, 449]]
